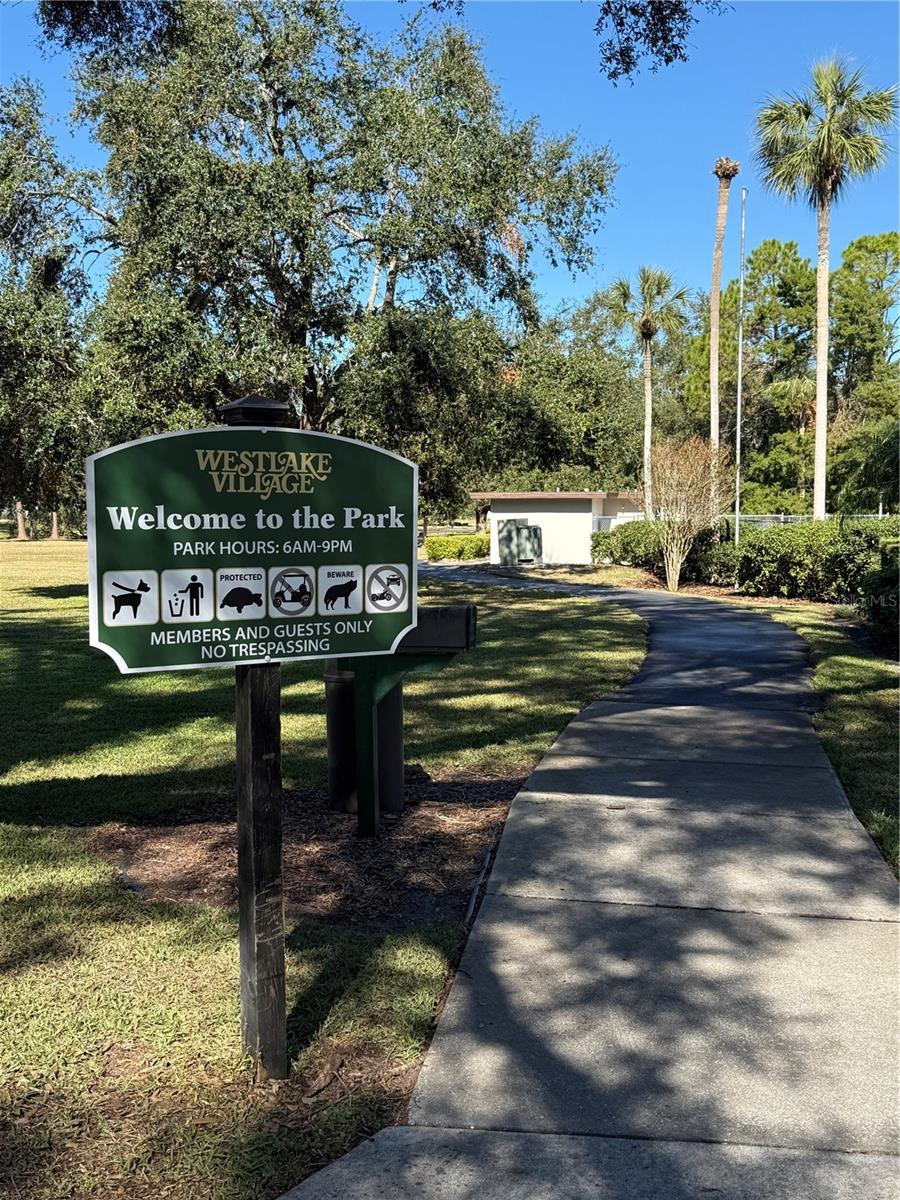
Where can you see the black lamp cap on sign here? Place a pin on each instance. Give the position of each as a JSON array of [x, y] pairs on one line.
[[254, 410]]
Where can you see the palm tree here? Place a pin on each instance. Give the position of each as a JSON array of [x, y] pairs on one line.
[[725, 170], [813, 144], [657, 306]]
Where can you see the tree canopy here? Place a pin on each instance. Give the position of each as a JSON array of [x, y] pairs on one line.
[[865, 302], [275, 180], [288, 206], [815, 143], [278, 174], [629, 32]]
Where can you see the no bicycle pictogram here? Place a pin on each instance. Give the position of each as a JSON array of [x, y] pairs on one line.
[[387, 588]]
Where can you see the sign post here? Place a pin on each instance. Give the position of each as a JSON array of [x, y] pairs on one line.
[[257, 705], [260, 851], [248, 546]]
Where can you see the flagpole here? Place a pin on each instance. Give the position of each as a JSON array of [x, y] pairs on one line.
[[740, 379]]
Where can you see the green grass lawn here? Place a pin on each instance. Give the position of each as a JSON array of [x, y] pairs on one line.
[[120, 1064], [858, 723], [611, 575]]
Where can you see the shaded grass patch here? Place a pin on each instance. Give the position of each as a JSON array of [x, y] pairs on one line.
[[858, 723], [87, 745]]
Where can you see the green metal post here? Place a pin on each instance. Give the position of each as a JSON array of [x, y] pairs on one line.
[[373, 678], [366, 711]]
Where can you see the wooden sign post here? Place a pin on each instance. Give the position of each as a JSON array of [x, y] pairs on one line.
[[257, 703], [257, 723]]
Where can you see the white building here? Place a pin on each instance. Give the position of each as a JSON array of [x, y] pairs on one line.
[[566, 519]]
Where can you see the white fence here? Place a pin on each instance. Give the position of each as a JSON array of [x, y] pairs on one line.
[[756, 520], [766, 520], [605, 524]]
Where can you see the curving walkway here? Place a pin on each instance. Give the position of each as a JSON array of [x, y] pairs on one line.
[[683, 978]]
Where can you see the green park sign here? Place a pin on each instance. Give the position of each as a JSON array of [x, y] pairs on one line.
[[231, 546]]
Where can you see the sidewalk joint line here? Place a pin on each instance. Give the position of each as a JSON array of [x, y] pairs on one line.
[[709, 762], [649, 1137], [742, 912], [710, 707], [642, 803]]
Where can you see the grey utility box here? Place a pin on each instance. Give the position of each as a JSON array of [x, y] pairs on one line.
[[519, 542], [508, 539], [530, 544]]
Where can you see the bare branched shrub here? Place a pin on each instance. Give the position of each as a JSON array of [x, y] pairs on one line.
[[687, 478]]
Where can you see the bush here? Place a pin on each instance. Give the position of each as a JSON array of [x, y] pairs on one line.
[[709, 557], [815, 560], [603, 546], [716, 564], [809, 560], [879, 595], [463, 546], [475, 545], [636, 545], [872, 530], [633, 544]]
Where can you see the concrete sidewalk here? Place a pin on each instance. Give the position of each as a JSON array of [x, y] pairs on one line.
[[683, 979]]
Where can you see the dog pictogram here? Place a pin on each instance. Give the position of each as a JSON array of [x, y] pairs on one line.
[[130, 597]]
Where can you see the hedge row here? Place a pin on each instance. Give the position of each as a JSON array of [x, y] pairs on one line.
[[879, 594], [810, 560], [815, 560], [457, 545], [635, 544]]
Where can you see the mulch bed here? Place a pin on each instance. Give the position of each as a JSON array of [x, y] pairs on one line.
[[422, 868]]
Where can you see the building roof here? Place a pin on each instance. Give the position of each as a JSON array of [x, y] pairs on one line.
[[551, 495]]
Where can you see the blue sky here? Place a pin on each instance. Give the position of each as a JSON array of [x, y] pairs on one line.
[[665, 131]]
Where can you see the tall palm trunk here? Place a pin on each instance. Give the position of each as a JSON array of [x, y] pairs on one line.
[[724, 170], [648, 424], [821, 417], [21, 531], [715, 296]]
